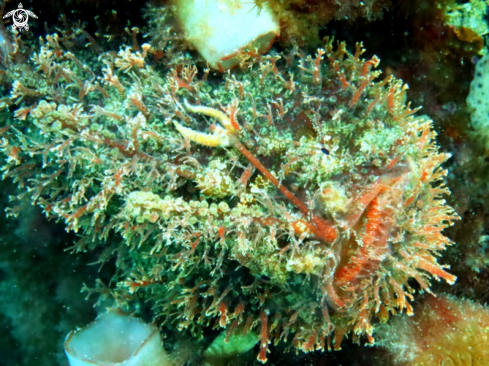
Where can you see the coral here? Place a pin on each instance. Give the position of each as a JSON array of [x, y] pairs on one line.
[[302, 215], [444, 331], [468, 19]]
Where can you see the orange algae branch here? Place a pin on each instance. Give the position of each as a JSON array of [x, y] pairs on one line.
[[429, 266], [316, 75], [310, 344], [223, 309], [262, 356], [367, 78]]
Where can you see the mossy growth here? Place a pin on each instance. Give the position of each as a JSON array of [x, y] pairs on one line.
[[305, 213]]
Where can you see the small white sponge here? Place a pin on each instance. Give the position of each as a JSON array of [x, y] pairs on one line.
[[222, 29], [115, 339], [478, 98]]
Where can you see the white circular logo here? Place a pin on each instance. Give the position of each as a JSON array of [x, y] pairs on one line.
[[20, 17]]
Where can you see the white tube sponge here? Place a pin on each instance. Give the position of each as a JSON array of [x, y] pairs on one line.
[[117, 340], [222, 29]]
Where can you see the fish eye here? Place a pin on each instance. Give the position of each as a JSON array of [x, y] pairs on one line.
[[265, 278]]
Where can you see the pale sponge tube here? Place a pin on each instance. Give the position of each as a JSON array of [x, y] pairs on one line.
[[223, 29], [115, 339]]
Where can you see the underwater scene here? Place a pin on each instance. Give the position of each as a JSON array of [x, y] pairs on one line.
[[244, 182]]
